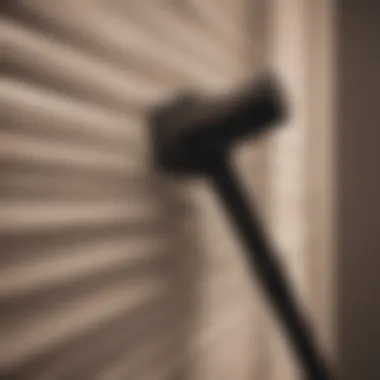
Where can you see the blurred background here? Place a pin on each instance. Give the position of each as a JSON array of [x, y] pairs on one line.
[[111, 270]]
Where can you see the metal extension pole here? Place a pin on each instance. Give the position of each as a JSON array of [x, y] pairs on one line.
[[263, 260]]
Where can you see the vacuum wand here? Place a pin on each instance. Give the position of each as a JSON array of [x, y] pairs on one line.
[[263, 259], [194, 136]]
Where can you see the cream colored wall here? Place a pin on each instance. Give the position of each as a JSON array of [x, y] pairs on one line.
[[109, 269], [300, 169]]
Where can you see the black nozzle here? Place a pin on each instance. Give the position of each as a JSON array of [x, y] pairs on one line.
[[191, 130]]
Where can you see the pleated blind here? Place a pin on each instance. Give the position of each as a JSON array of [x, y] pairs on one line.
[[107, 269]]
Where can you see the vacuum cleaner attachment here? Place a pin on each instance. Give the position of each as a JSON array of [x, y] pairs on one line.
[[193, 136], [192, 129]]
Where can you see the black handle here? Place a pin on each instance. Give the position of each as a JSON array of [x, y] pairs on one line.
[[272, 277]]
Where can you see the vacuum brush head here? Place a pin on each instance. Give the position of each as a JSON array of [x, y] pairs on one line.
[[192, 131]]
